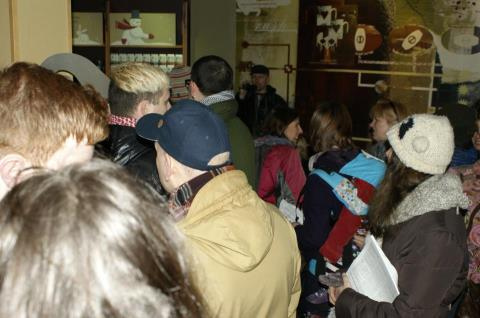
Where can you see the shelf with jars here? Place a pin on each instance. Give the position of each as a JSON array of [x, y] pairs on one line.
[[111, 32]]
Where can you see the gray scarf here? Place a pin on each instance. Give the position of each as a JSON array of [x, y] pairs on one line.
[[440, 192], [217, 98]]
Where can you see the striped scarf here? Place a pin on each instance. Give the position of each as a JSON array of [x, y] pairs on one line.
[[217, 98], [181, 200], [122, 121]]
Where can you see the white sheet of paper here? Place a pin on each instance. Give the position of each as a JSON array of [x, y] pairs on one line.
[[372, 274]]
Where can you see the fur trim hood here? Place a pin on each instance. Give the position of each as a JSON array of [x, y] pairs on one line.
[[437, 193]]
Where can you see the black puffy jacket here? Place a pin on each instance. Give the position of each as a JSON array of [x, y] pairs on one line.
[[125, 148]]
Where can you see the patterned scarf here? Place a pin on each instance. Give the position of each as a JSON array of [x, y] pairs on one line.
[[219, 97], [122, 121], [180, 201]]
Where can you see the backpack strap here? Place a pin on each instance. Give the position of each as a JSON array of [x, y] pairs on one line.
[[366, 167]]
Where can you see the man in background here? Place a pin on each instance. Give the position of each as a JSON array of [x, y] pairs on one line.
[[135, 89], [257, 101], [47, 121], [211, 84]]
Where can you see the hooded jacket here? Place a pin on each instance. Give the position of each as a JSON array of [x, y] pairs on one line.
[[241, 141], [245, 252], [426, 243]]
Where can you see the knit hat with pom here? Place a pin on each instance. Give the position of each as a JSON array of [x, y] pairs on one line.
[[423, 142]]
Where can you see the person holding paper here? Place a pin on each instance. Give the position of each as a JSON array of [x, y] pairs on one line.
[[416, 212]]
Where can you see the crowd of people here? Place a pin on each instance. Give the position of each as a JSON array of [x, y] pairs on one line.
[[211, 205]]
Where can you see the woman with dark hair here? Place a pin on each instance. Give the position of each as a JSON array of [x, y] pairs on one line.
[[281, 175], [416, 212], [90, 241], [336, 195]]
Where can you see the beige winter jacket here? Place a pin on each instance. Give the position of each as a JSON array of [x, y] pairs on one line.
[[248, 263]]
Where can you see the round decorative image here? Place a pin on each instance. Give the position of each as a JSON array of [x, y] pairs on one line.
[[367, 39], [410, 39]]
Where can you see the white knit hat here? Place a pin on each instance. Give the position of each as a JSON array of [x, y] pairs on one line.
[[423, 142]]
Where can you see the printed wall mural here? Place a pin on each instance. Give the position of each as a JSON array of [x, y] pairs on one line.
[[424, 54], [426, 51], [455, 27]]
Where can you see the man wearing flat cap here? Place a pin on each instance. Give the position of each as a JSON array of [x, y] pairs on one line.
[[258, 100], [246, 253]]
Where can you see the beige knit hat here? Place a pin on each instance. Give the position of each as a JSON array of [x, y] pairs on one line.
[[423, 142]]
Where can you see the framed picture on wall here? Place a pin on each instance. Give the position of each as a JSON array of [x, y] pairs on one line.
[[87, 28], [142, 29]]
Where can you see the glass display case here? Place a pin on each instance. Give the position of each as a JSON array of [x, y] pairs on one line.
[[111, 32]]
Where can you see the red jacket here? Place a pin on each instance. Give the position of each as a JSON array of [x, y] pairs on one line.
[[285, 159]]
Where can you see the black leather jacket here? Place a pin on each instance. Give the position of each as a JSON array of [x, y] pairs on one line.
[[124, 147]]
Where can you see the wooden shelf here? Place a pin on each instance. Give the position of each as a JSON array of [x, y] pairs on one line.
[[146, 46], [88, 45], [100, 54]]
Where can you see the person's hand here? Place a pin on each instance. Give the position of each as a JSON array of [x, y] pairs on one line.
[[242, 93], [243, 90], [359, 240], [334, 292]]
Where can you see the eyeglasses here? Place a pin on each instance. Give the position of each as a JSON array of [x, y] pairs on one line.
[[187, 83]]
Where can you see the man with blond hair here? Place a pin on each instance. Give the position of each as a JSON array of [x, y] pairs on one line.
[[47, 121], [135, 89]]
